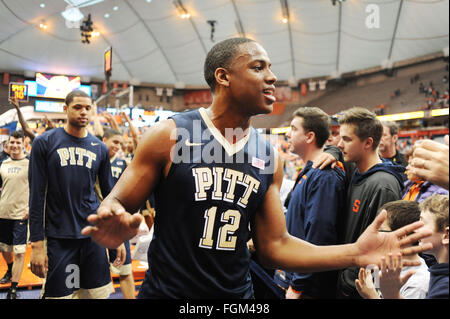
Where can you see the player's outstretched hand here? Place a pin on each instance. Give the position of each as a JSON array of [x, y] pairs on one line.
[[372, 245], [112, 225]]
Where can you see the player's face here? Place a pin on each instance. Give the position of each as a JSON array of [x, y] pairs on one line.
[[297, 137], [79, 111], [351, 146], [251, 81], [114, 144], [15, 147]]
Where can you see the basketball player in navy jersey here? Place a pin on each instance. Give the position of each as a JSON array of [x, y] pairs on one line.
[[64, 166], [113, 140], [212, 186]]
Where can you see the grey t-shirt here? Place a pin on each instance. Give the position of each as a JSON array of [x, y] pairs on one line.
[[417, 286]]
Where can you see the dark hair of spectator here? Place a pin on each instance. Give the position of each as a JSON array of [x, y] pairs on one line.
[[401, 213], [110, 133], [317, 121], [365, 122], [17, 134], [393, 127]]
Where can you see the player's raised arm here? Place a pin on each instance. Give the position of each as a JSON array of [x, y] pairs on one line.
[[113, 223]]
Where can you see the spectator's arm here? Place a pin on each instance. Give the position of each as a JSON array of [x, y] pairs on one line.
[[27, 130], [112, 121], [98, 127], [133, 130], [48, 122]]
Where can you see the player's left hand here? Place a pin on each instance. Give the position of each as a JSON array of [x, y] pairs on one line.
[[112, 225]]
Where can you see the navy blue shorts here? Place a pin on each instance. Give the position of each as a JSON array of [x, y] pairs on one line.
[[77, 264], [13, 235]]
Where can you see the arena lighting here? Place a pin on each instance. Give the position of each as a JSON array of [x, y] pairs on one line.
[[439, 112], [402, 116], [285, 11], [43, 25], [82, 3], [280, 130], [184, 14]]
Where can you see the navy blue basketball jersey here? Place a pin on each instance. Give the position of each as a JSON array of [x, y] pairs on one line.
[[203, 211], [117, 167], [62, 174]]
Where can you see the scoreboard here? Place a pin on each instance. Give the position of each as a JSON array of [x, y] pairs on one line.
[[18, 91]]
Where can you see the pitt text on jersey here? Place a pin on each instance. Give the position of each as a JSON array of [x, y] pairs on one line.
[[206, 178], [76, 156]]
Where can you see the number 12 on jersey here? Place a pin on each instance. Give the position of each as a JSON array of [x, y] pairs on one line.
[[225, 238]]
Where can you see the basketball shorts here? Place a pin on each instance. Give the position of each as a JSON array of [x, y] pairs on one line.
[[13, 235], [78, 269]]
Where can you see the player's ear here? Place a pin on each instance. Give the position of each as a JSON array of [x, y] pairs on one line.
[[222, 77]]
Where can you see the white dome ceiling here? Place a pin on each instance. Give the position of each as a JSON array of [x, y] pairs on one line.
[[152, 44]]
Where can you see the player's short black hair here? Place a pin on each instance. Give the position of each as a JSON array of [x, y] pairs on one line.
[[74, 94], [220, 56], [17, 134]]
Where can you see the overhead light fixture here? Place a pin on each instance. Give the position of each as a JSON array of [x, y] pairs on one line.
[[106, 15], [116, 8], [184, 14], [82, 3], [43, 25], [285, 11], [42, 5], [73, 16], [212, 23], [86, 29], [336, 1]]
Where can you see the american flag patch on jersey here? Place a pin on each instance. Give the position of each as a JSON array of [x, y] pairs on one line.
[[258, 163]]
